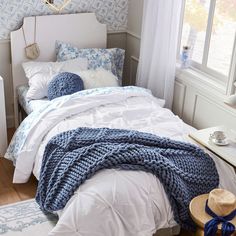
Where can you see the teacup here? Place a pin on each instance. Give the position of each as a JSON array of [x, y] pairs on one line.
[[218, 136]]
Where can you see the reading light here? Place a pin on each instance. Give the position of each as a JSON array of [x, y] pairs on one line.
[[231, 100], [56, 7]]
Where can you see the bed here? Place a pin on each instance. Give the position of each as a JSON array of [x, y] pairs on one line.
[[27, 105], [75, 30], [113, 201]]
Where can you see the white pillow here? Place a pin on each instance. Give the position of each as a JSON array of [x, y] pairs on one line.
[[41, 73], [98, 78]]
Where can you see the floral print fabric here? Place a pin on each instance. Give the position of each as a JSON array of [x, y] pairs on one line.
[[110, 59]]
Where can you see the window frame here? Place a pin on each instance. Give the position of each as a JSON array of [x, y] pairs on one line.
[[203, 69]]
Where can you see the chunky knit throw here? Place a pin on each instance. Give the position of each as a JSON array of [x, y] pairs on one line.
[[74, 156]]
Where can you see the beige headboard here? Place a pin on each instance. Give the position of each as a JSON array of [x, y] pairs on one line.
[[83, 30]]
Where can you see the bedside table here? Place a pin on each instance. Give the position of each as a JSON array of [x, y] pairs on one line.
[[228, 152], [3, 126]]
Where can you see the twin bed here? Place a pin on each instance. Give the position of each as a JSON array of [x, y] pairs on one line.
[[26, 105], [113, 201]]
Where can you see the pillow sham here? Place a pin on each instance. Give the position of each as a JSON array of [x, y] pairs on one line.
[[40, 74], [98, 78], [64, 84], [109, 59]]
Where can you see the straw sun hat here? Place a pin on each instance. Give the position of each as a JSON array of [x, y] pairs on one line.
[[215, 211]]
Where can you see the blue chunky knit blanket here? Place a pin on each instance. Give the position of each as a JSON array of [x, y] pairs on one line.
[[72, 157]]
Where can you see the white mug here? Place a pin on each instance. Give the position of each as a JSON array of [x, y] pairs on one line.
[[219, 136]]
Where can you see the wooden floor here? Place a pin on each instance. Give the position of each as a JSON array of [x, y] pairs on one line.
[[10, 193]]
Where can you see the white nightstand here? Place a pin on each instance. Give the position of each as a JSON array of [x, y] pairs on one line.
[[3, 126], [227, 153]]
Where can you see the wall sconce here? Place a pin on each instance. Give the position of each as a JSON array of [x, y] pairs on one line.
[[56, 7], [231, 100]]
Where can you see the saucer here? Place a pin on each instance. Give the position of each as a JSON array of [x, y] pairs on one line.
[[222, 143]]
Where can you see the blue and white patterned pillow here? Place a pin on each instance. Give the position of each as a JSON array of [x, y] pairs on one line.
[[110, 59]]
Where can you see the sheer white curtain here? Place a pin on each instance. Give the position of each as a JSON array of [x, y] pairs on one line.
[[156, 70]]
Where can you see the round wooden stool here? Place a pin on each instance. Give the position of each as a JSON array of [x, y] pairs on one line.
[[199, 216]]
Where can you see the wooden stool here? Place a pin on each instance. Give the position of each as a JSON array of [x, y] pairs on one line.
[[200, 219]]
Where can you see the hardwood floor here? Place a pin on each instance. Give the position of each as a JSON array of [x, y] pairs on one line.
[[10, 193]]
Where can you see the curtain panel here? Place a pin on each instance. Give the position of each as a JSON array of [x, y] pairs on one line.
[[159, 40]]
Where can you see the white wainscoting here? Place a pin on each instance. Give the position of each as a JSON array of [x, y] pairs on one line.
[[179, 96], [132, 56], [201, 108], [5, 73], [3, 127], [208, 113]]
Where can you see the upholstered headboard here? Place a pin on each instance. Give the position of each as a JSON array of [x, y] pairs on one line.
[[83, 30]]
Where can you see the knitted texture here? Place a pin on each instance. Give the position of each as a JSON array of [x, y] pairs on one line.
[[64, 84], [74, 156]]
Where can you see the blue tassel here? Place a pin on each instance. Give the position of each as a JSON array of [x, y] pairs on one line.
[[211, 226], [227, 229]]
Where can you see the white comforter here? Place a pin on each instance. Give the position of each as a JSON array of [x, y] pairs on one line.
[[113, 202]]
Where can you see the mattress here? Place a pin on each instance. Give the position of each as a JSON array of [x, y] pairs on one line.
[[32, 105]]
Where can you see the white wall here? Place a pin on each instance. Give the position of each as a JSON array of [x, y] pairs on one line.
[[133, 39], [135, 16]]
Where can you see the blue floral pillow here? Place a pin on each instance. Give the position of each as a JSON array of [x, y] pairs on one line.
[[109, 59]]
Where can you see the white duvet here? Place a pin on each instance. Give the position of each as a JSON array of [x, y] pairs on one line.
[[113, 202]]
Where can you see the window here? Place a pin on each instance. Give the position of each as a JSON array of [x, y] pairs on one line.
[[209, 29]]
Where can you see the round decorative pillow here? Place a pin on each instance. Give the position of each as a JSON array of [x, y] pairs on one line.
[[64, 84]]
